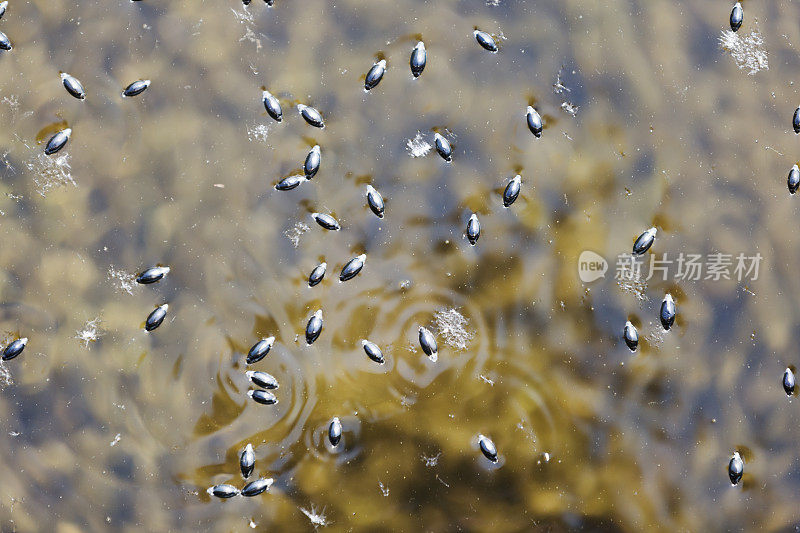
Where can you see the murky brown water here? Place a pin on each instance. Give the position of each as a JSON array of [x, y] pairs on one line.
[[128, 431]]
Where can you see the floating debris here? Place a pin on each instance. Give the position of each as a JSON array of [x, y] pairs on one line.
[[247, 461], [254, 488], [262, 396], [155, 318], [375, 75], [488, 449], [317, 274], [72, 85], [314, 327], [473, 229], [375, 201], [485, 40], [136, 88], [335, 431], [313, 159], [428, 344], [419, 58], [794, 179], [667, 314], [326, 221], [644, 241], [57, 141], [534, 121], [418, 146], [152, 275], [748, 52], [352, 268], [14, 349], [452, 327], [262, 379], [443, 147], [631, 336], [311, 115], [788, 382], [223, 491], [737, 16], [373, 351], [259, 350], [735, 468], [272, 105], [511, 191], [3, 7]]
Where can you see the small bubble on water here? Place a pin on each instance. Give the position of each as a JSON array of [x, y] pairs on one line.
[[384, 489]]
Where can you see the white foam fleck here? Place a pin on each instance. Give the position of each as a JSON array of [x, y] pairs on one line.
[[50, 171], [431, 460], [656, 336], [452, 327], [570, 108], [248, 20], [258, 133], [90, 332], [295, 232], [5, 375], [315, 516], [748, 51], [633, 282], [124, 281], [418, 146]]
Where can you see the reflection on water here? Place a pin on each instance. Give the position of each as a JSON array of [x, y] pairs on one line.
[[654, 115]]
